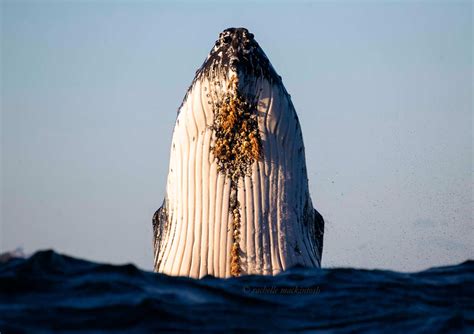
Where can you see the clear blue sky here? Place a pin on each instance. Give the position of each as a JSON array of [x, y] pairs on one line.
[[383, 90]]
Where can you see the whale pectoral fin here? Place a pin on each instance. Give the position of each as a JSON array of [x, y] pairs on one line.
[[319, 232], [160, 223]]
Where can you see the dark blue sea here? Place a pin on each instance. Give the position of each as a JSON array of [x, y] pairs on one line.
[[49, 292]]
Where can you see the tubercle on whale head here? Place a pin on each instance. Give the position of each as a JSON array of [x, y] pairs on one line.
[[237, 48], [236, 52]]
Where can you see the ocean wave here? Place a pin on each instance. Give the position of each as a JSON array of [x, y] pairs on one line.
[[49, 292]]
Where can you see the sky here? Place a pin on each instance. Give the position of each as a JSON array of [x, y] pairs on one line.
[[383, 91]]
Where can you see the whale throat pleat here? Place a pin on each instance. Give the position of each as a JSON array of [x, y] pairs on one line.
[[272, 195], [237, 199]]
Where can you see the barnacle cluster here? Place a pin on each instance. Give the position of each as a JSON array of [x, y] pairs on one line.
[[237, 146], [237, 143], [234, 253]]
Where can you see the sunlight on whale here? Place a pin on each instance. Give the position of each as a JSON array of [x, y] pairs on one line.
[[237, 199]]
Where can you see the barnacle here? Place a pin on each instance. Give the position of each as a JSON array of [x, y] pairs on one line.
[[237, 146]]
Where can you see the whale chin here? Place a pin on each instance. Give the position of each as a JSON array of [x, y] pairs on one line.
[[237, 199]]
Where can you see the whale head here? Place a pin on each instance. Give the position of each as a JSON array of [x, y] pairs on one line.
[[237, 198], [236, 51]]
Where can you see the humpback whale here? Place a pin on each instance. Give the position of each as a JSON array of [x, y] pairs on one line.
[[237, 200]]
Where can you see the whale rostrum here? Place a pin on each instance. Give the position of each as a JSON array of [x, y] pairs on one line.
[[237, 199]]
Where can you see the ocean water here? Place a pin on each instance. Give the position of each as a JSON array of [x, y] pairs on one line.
[[49, 292]]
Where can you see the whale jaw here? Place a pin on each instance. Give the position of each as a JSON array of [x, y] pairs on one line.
[[237, 199]]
